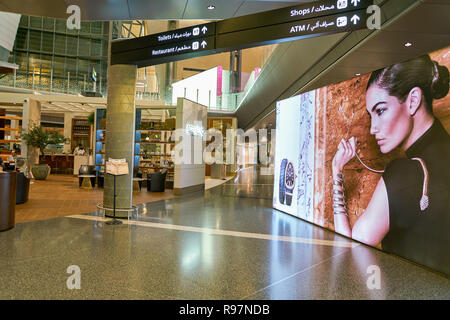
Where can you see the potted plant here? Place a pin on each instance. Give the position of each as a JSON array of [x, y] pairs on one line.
[[39, 138]]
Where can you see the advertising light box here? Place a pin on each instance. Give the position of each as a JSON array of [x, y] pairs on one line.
[[369, 159], [294, 156]]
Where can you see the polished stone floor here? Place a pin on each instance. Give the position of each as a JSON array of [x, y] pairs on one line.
[[227, 243], [60, 195]]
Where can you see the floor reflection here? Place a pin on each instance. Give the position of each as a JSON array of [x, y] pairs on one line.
[[250, 182]]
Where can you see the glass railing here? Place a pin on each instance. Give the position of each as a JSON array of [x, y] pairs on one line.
[[229, 102]]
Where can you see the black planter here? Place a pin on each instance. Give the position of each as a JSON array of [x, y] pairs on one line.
[[22, 188], [7, 200]]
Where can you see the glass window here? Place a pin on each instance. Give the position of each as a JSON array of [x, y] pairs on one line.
[[61, 25], [36, 22], [46, 65], [96, 27], [49, 24], [23, 21], [58, 67], [21, 60], [34, 64], [105, 49], [84, 47], [71, 66], [96, 47], [21, 39], [60, 43], [47, 42], [72, 45], [105, 28], [21, 80], [85, 27], [35, 40], [83, 68]]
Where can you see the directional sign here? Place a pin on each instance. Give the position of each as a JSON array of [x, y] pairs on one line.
[[291, 31], [295, 13], [286, 24], [178, 35], [165, 53]]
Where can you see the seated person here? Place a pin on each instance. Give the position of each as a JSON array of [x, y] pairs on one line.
[[79, 151], [12, 158]]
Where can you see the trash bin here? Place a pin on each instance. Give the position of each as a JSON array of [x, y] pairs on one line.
[[7, 200]]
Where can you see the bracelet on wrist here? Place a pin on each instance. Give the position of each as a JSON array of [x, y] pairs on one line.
[[340, 213]]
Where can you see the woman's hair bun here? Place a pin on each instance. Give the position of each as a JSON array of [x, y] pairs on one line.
[[440, 82]]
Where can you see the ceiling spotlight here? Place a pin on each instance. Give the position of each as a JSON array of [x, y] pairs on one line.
[[211, 7], [408, 44], [358, 74]]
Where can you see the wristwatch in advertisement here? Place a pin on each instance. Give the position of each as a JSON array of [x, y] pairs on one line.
[[281, 184], [287, 182]]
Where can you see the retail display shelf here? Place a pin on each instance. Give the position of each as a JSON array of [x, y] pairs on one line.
[[153, 155], [10, 118], [155, 167], [9, 129], [154, 130], [156, 142]]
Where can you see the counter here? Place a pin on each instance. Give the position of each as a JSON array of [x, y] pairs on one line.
[[78, 162], [59, 163]]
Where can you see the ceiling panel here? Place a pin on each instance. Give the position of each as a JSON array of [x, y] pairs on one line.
[[103, 9], [431, 18], [157, 9], [143, 9], [198, 9], [53, 8], [394, 43]]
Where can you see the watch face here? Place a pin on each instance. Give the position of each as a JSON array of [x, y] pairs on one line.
[[290, 176]]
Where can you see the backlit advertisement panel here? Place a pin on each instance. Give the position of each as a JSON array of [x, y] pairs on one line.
[[294, 156], [380, 162]]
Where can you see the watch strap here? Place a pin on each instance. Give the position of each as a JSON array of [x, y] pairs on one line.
[[289, 195]]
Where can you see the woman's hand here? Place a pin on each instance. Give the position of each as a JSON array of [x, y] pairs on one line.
[[346, 151]]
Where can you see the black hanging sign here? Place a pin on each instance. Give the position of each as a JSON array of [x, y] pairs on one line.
[[287, 24]]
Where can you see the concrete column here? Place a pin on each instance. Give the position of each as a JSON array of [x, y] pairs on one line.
[[31, 114], [14, 125], [120, 134], [68, 116]]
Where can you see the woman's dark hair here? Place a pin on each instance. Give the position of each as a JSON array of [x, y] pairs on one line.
[[421, 72]]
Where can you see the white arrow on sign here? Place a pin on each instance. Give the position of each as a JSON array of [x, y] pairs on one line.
[[204, 29], [355, 19], [355, 2], [203, 44]]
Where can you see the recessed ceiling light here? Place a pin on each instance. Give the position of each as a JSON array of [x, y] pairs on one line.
[[358, 74], [211, 7], [408, 44]]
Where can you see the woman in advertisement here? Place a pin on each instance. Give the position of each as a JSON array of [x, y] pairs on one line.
[[409, 210]]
